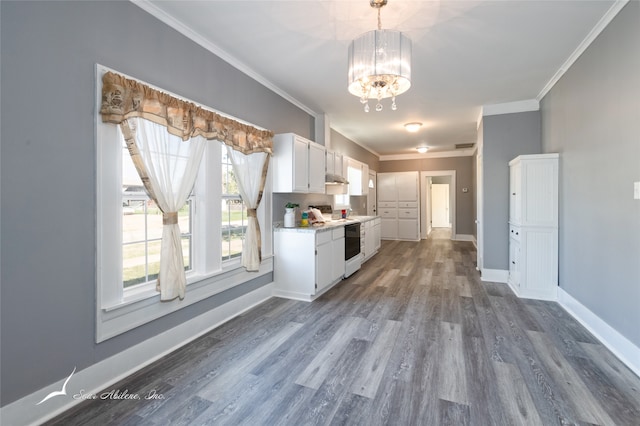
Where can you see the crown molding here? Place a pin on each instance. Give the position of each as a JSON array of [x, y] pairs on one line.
[[177, 25], [593, 34], [511, 107], [467, 152]]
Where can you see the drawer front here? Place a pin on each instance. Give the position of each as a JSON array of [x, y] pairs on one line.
[[408, 204], [323, 237], [337, 233], [515, 232], [384, 204], [390, 213], [407, 213]]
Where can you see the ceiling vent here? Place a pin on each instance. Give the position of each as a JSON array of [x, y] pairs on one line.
[[464, 145]]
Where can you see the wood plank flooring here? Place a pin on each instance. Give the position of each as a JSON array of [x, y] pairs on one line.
[[413, 338]]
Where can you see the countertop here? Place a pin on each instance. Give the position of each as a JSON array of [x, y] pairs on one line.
[[279, 226]]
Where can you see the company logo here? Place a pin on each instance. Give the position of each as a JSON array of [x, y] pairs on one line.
[[114, 394], [63, 391]]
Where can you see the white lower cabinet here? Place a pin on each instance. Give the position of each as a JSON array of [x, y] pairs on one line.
[[533, 264], [307, 262], [371, 237]]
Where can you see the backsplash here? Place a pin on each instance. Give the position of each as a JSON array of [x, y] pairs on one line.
[[358, 203]]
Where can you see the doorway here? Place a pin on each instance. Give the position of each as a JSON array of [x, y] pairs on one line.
[[440, 205], [427, 180]]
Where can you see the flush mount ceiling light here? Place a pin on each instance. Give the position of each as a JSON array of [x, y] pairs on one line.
[[413, 127], [422, 149], [379, 64]]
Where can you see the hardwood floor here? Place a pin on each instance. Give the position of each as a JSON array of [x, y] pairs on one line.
[[413, 338]]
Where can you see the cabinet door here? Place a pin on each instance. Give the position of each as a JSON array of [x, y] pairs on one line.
[[330, 163], [389, 230], [365, 179], [407, 186], [316, 168], [301, 165], [337, 162], [324, 260], [386, 188], [355, 177], [370, 241], [515, 187], [376, 235], [337, 259], [408, 229], [514, 262]]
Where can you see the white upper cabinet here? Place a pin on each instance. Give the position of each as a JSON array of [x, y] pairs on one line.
[[358, 177], [298, 164], [334, 163], [316, 168], [533, 195], [330, 163]]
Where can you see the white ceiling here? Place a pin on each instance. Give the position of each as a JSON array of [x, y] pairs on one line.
[[466, 55]]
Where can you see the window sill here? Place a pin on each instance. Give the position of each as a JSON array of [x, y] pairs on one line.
[[145, 306]]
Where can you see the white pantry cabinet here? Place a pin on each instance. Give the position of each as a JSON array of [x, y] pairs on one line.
[[298, 164], [533, 226], [398, 205]]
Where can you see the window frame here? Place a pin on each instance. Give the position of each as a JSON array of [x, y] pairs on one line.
[[118, 310]]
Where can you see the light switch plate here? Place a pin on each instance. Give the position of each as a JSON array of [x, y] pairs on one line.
[[636, 190]]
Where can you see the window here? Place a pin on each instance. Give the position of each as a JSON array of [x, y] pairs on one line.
[[142, 228], [129, 231], [234, 212]]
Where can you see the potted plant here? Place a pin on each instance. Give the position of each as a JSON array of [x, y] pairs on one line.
[[290, 215]]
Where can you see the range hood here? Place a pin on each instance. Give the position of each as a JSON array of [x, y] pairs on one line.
[[333, 179]]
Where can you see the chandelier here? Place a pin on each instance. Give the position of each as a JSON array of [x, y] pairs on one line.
[[379, 64]]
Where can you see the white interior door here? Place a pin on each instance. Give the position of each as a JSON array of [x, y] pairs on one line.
[[479, 207], [427, 209], [440, 205], [372, 198]]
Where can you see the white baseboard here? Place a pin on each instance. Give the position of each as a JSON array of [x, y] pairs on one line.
[[495, 275], [464, 237], [111, 370], [621, 347]]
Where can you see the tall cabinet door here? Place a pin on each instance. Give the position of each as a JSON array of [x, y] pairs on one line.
[[316, 168], [300, 165], [515, 188], [387, 187], [407, 186]]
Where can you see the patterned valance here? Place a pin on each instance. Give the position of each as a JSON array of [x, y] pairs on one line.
[[123, 98]]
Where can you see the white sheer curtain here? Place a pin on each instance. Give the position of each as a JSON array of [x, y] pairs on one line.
[[168, 167], [251, 175]]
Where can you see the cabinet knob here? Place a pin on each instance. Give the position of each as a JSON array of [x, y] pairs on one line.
[[517, 233], [513, 193], [513, 262], [512, 231]]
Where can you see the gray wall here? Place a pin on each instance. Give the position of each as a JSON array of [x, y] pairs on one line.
[[464, 179], [504, 137], [48, 272], [592, 118], [341, 144]]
